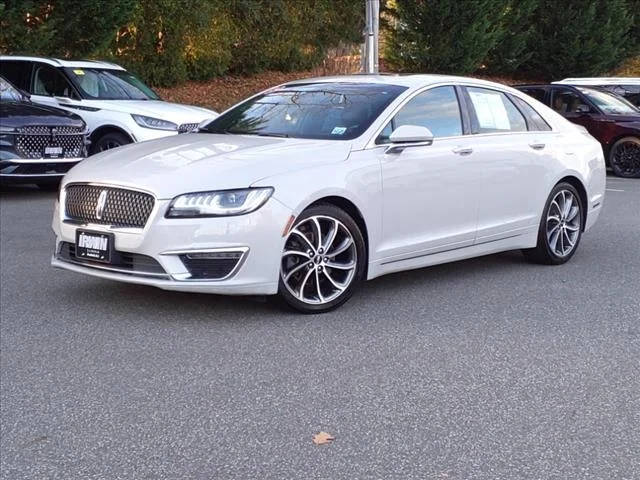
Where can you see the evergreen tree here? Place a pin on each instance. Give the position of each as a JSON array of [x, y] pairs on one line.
[[579, 37], [449, 36], [512, 51]]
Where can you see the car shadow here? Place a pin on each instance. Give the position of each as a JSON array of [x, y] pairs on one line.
[[198, 307]]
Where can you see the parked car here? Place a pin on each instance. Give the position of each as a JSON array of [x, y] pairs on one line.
[[38, 144], [612, 120], [312, 187], [627, 87], [117, 106]]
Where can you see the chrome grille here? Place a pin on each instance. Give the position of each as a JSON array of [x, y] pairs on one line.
[[31, 141], [187, 127], [122, 208]]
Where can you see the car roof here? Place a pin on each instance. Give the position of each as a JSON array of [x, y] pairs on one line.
[[600, 81], [403, 80], [56, 62]]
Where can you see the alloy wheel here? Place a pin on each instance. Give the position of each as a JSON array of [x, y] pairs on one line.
[[626, 159], [563, 223], [319, 261]]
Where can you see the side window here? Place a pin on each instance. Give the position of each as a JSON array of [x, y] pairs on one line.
[[437, 109], [537, 93], [494, 112], [50, 82], [534, 119], [18, 73], [564, 100]]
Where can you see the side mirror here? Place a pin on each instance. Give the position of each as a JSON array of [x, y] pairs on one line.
[[407, 136], [582, 108]]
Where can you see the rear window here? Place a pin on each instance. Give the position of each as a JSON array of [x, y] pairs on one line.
[[537, 93], [534, 119], [17, 72]]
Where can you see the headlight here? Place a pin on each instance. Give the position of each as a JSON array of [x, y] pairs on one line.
[[218, 204], [155, 123]]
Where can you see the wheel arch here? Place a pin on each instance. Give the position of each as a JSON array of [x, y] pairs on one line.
[[354, 212], [105, 129], [582, 191], [614, 140]]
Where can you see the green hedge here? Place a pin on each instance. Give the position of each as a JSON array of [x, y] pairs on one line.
[[169, 41], [539, 38]]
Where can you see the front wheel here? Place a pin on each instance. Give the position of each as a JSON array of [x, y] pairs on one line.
[[560, 227], [624, 157], [109, 141], [324, 260]]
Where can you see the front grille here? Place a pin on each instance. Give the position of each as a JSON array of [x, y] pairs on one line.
[[133, 263], [122, 208], [212, 266], [187, 127], [32, 140]]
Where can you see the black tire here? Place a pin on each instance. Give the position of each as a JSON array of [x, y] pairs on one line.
[[544, 252], [356, 253], [624, 157], [109, 141]]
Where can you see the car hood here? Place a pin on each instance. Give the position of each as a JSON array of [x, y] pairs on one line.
[[196, 162], [174, 112], [21, 114]]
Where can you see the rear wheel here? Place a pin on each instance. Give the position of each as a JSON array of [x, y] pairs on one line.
[[624, 157], [324, 260], [560, 227], [109, 141]]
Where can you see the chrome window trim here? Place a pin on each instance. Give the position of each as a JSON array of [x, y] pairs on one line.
[[371, 142]]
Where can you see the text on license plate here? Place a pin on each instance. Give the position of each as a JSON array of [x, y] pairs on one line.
[[94, 245], [53, 151]]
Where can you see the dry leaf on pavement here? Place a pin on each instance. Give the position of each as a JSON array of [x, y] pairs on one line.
[[322, 438]]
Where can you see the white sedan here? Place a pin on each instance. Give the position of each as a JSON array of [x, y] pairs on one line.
[[310, 188]]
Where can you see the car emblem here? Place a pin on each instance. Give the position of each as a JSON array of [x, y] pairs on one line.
[[102, 201]]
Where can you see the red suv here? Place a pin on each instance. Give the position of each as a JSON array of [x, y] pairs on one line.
[[609, 118]]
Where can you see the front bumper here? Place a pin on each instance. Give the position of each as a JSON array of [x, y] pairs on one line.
[[40, 170], [258, 235]]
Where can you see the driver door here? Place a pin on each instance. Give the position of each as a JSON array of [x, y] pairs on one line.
[[430, 192]]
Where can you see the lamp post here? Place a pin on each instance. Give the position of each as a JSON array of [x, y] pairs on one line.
[[370, 51]]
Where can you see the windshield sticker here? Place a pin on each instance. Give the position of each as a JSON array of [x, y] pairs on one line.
[[338, 130], [78, 72]]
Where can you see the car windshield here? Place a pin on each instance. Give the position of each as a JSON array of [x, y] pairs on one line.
[[8, 93], [609, 103], [110, 84], [332, 111]]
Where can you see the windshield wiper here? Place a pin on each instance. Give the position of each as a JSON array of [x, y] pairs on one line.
[[279, 135]]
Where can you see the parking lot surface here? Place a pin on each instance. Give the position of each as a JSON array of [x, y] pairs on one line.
[[490, 368]]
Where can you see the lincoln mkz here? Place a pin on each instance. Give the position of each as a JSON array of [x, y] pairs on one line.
[[310, 188]]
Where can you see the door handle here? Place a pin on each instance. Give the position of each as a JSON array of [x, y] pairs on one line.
[[537, 146], [463, 150]]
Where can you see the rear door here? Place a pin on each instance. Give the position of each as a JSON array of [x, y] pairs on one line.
[[512, 152]]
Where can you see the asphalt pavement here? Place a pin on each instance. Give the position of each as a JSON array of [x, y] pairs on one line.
[[490, 368]]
